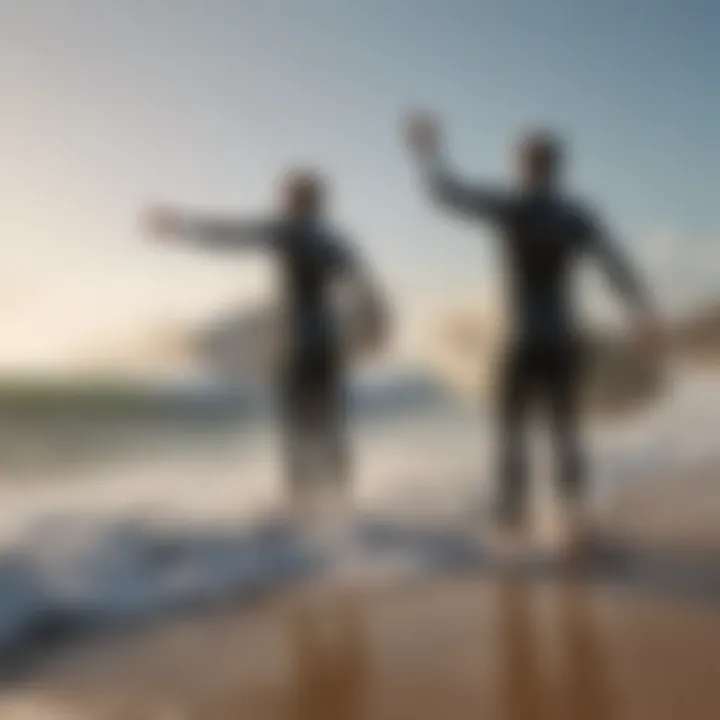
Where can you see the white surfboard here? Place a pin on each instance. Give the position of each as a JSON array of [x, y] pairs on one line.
[[250, 344], [618, 377]]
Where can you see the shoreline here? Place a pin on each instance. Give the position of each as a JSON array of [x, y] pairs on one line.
[[459, 647], [628, 640]]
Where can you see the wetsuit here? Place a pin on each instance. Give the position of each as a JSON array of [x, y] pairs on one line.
[[312, 383], [543, 236]]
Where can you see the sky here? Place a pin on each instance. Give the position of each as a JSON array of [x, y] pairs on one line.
[[109, 105]]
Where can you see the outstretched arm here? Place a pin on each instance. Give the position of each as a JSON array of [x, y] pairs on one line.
[[163, 222], [476, 199]]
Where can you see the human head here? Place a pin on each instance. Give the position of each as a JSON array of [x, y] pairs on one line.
[[303, 194], [540, 156]]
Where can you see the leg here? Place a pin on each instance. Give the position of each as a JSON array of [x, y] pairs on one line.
[[331, 418], [315, 426], [514, 397], [296, 468], [335, 439], [563, 387], [296, 428]]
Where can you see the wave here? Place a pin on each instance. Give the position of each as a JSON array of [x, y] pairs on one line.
[[139, 537]]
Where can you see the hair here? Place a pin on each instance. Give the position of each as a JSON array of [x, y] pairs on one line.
[[542, 149], [303, 190]]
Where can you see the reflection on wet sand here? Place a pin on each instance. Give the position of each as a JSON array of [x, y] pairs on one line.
[[530, 683], [588, 687], [523, 681], [500, 649], [329, 661]]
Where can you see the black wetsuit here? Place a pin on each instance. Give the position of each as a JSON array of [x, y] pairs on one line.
[[543, 236], [312, 383]]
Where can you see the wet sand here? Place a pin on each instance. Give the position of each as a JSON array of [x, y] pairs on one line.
[[452, 648], [478, 646]]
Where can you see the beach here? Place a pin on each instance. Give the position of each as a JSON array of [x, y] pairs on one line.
[[447, 647], [134, 590]]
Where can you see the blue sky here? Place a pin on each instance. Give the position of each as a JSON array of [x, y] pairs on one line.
[[109, 104]]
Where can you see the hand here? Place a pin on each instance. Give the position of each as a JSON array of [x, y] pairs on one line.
[[423, 135], [160, 221]]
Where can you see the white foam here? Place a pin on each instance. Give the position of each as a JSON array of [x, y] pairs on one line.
[[147, 535]]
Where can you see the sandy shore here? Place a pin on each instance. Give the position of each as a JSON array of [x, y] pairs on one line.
[[474, 646], [452, 648]]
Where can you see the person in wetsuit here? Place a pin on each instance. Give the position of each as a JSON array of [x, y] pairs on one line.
[[314, 259], [544, 233]]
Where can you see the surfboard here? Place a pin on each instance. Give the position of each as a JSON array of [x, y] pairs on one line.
[[618, 375], [250, 344]]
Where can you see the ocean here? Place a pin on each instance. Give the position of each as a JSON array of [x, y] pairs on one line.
[[178, 502]]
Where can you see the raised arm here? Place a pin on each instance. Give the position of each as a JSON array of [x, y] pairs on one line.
[[164, 223], [476, 199]]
